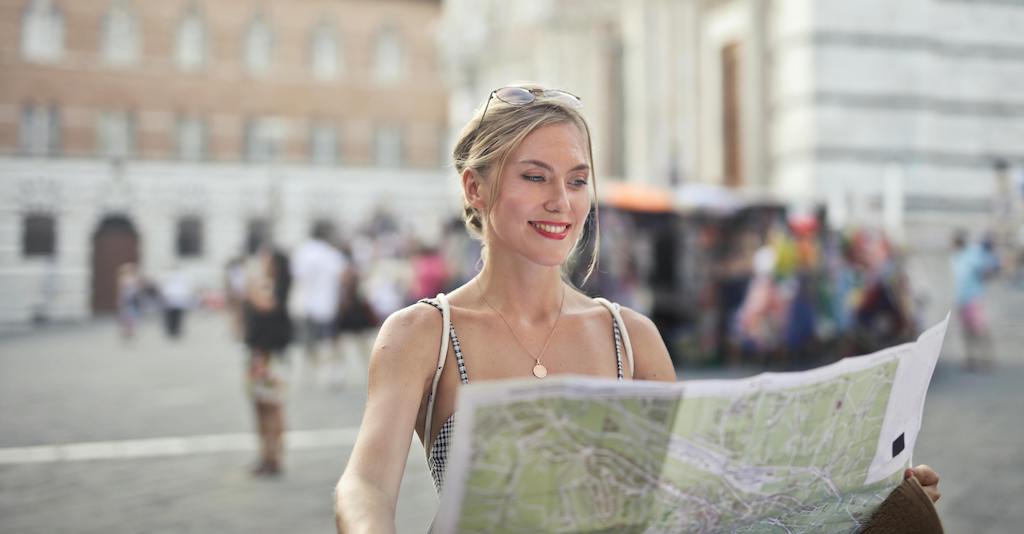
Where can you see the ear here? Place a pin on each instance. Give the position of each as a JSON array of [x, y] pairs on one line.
[[474, 190]]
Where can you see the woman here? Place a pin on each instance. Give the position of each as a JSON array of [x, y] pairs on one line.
[[527, 176], [268, 332]]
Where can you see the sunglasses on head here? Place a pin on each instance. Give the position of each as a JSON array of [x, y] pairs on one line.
[[521, 96]]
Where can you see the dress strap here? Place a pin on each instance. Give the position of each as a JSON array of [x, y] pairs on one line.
[[448, 333], [446, 317], [620, 327]]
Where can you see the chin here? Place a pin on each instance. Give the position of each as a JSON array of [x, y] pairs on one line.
[[551, 258]]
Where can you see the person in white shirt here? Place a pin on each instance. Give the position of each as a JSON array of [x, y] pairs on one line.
[[317, 270], [177, 296]]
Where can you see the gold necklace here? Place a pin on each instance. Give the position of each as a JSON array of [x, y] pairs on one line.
[[539, 370]]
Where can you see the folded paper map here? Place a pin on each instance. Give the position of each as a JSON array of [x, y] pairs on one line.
[[813, 451]]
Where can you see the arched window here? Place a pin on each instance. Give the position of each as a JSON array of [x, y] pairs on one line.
[[324, 53], [387, 56], [121, 35], [42, 32], [190, 41], [259, 46]]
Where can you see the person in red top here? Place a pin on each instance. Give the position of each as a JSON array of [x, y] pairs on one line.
[[429, 273]]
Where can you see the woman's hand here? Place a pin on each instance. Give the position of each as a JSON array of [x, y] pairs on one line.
[[928, 478]]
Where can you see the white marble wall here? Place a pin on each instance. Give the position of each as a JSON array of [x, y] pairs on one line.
[[928, 90], [154, 195]]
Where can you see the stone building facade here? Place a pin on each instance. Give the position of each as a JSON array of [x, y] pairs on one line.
[[169, 132], [887, 113]]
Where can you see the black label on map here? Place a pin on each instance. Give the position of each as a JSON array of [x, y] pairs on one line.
[[897, 446]]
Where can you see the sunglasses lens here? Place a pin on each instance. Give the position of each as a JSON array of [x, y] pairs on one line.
[[516, 96], [566, 99]]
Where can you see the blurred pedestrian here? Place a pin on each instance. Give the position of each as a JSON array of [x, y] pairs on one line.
[[430, 274], [177, 296], [130, 294], [972, 266], [355, 325], [884, 313], [268, 333], [317, 267], [760, 318]]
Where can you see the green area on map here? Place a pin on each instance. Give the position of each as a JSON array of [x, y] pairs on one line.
[[791, 460]]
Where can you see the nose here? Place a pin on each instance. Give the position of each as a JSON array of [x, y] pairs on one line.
[[558, 201]]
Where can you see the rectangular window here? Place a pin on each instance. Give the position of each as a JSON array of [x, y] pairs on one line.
[[323, 144], [121, 40], [387, 56], [42, 32], [324, 52], [259, 46], [263, 137], [257, 233], [39, 132], [192, 139], [39, 235], [189, 241], [115, 134], [190, 41], [388, 146]]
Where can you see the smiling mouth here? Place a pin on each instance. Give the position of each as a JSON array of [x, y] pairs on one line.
[[551, 230]]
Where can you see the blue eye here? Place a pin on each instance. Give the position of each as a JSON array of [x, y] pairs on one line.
[[533, 177], [580, 182]]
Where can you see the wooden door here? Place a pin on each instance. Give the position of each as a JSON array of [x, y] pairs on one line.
[[114, 244], [732, 125]]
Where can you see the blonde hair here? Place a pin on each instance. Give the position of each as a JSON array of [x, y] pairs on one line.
[[487, 141]]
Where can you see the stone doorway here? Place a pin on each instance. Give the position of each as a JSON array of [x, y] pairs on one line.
[[115, 243]]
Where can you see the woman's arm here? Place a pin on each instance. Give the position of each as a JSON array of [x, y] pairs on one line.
[[401, 368], [650, 356]]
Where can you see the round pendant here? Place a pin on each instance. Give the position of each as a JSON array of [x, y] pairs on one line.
[[540, 371]]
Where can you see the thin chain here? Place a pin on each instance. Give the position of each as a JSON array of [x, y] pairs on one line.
[[536, 357]]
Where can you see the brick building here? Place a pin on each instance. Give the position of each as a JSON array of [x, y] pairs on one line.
[[167, 132]]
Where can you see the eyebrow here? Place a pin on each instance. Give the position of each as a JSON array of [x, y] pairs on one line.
[[580, 167]]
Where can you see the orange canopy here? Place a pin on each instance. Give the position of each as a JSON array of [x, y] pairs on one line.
[[635, 196]]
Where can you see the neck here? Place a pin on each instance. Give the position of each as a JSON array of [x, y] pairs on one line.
[[523, 293]]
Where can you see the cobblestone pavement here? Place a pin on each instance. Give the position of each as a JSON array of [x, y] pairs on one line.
[[113, 402], [116, 403]]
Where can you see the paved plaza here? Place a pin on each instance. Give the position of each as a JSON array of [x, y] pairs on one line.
[[154, 436]]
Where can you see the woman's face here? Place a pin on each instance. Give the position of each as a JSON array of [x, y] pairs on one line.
[[543, 197]]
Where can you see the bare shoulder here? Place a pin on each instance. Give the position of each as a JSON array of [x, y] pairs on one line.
[[650, 356], [408, 341]]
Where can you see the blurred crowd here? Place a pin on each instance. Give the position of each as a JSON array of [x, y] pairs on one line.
[[339, 289], [761, 285]]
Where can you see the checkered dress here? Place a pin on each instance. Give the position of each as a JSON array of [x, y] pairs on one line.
[[437, 456]]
